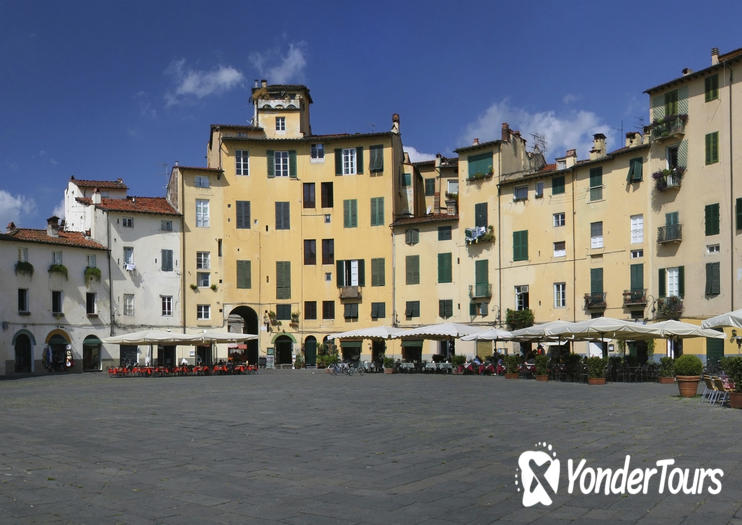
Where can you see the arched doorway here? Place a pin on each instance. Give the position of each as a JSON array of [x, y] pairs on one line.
[[378, 348], [244, 319], [310, 351], [91, 354], [282, 345], [54, 357], [23, 354]]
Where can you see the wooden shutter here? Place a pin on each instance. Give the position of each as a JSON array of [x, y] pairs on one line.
[[683, 153], [283, 279], [557, 185], [269, 161], [738, 209], [243, 274], [377, 272], [596, 280], [377, 159], [637, 276], [662, 282], [712, 219], [361, 272], [520, 245], [359, 160], [480, 214], [444, 268], [338, 161], [712, 279], [292, 164], [412, 269], [681, 281]]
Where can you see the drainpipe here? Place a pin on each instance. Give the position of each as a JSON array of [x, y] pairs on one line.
[[499, 238], [732, 227], [183, 250], [110, 276], [574, 252]]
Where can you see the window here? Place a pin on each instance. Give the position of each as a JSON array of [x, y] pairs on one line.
[[378, 273], [596, 235], [378, 310], [712, 147], [167, 260], [560, 249], [412, 236], [444, 233], [244, 274], [129, 304], [712, 248], [412, 309], [412, 269], [453, 187], [241, 162], [349, 157], [202, 213], [429, 187], [445, 272], [283, 219], [377, 211], [557, 185], [520, 245], [203, 279], [22, 300], [283, 279], [377, 159], [445, 308], [328, 309], [283, 312], [637, 254], [201, 181], [90, 306], [405, 179], [712, 87], [127, 222], [57, 302], [480, 214], [637, 229], [350, 213], [596, 184], [596, 282], [92, 261], [671, 282], [281, 163], [351, 311], [481, 278], [478, 309], [351, 272], [328, 251], [635, 170], [317, 153], [539, 190], [327, 200], [559, 219], [737, 210], [560, 295], [310, 251], [203, 260], [520, 193], [23, 252], [57, 257], [712, 219], [480, 165], [242, 209], [166, 226], [671, 103], [671, 157], [166, 303], [308, 195], [310, 309], [280, 123], [203, 312], [129, 257], [713, 279], [521, 297]]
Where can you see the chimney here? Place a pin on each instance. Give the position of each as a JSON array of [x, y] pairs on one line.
[[633, 138], [505, 132], [52, 226], [438, 160], [10, 227], [714, 56], [687, 71], [256, 83], [598, 150], [264, 83], [395, 123], [475, 142], [96, 196], [406, 158]]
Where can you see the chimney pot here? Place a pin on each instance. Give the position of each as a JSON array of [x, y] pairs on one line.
[[11, 226], [475, 141], [714, 56], [687, 71], [505, 132], [395, 123], [264, 83], [571, 153]]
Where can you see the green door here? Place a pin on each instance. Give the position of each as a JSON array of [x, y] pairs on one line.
[[714, 353], [310, 351]]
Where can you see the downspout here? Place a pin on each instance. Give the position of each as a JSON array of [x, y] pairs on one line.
[[183, 251], [574, 252], [499, 239], [110, 279], [732, 227]]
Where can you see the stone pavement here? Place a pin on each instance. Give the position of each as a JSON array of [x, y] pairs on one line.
[[296, 447]]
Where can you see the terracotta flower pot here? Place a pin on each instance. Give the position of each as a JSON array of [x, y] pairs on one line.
[[544, 377], [511, 375], [596, 380], [688, 385], [735, 399], [388, 370], [665, 380]]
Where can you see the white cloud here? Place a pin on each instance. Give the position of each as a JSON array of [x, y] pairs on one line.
[[290, 67], [199, 84], [569, 98], [59, 210], [571, 129], [14, 208], [417, 156]]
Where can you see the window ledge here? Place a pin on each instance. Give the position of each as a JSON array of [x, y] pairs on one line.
[[24, 313], [58, 315]]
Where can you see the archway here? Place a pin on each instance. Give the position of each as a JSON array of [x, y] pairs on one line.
[[23, 354], [378, 348], [310, 351], [91, 354], [244, 319], [283, 350], [57, 342]]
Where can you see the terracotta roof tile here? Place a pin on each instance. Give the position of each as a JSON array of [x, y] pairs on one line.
[[101, 184], [73, 239], [441, 217], [158, 205]]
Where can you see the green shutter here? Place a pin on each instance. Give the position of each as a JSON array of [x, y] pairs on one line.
[[338, 161], [444, 268], [712, 87], [350, 213], [635, 170], [520, 245], [662, 282], [361, 272], [658, 108], [377, 159], [557, 185], [480, 214], [429, 187], [412, 269], [283, 279], [377, 272], [269, 160], [681, 281], [596, 280], [712, 279], [712, 147], [738, 209], [340, 273], [481, 273], [712, 219], [243, 274], [683, 153], [359, 160], [480, 165], [637, 276], [292, 164], [377, 211]]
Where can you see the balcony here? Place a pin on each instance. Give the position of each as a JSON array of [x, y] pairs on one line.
[[479, 234], [595, 301], [634, 297], [669, 127], [669, 307], [480, 290], [670, 233], [668, 179], [350, 292]]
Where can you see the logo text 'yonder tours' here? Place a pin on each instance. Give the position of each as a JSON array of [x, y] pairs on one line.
[[538, 473]]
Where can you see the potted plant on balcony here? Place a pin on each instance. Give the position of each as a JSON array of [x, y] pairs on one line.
[[667, 371], [541, 362], [596, 370], [92, 273], [732, 366], [388, 365], [512, 366], [58, 268], [294, 318], [688, 370], [273, 320], [669, 307], [24, 268]]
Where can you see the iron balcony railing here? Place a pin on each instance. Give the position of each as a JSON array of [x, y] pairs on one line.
[[668, 127], [635, 297], [595, 300], [350, 292], [670, 233], [480, 290]]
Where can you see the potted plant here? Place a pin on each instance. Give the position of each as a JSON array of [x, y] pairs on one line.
[[512, 364], [541, 362], [388, 365], [58, 268], [92, 273], [24, 268], [299, 361], [596, 370], [458, 363], [733, 368], [688, 370], [667, 371]]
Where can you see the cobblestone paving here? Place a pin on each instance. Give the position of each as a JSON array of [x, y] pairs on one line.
[[296, 447]]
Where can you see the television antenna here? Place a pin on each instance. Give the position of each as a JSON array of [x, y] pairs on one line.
[[539, 142]]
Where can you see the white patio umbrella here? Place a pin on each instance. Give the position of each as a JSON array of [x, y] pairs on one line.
[[375, 332], [493, 334], [148, 337], [606, 327], [733, 319], [551, 329], [679, 330], [442, 331], [221, 337]]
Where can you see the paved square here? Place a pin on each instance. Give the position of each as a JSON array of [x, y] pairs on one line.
[[301, 447]]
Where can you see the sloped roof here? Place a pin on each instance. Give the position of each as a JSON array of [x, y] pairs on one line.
[[117, 184], [72, 239], [156, 205]]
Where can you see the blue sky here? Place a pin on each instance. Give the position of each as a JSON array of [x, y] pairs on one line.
[[102, 90]]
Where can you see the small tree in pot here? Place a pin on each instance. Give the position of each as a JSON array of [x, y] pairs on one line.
[[733, 368], [388, 365], [512, 364], [541, 361], [596, 370], [667, 370], [688, 370]]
